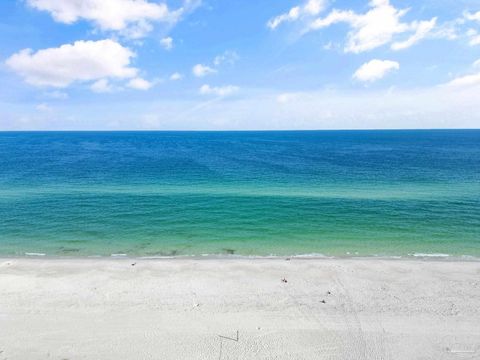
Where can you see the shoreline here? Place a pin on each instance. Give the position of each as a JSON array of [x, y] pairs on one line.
[[114, 257], [306, 308]]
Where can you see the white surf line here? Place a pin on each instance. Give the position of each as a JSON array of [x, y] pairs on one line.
[[429, 255]]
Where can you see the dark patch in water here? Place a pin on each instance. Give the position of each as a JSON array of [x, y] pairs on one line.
[[64, 250], [229, 251]]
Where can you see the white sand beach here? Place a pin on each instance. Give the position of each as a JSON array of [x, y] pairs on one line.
[[239, 309]]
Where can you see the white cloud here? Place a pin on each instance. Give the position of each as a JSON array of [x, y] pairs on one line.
[[472, 34], [228, 57], [470, 80], [167, 43], [309, 8], [132, 16], [375, 70], [137, 31], [176, 76], [219, 91], [200, 70], [447, 30], [472, 16], [80, 61], [465, 81], [101, 86], [292, 15], [376, 27], [422, 29], [139, 84], [313, 7], [474, 37]]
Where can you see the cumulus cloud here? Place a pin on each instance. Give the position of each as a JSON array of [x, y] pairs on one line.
[[200, 70], [132, 18], [80, 61], [176, 76], [376, 27], [139, 84], [375, 70], [114, 15], [219, 91], [167, 43], [309, 8]]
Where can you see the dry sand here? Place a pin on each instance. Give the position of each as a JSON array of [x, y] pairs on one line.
[[195, 309]]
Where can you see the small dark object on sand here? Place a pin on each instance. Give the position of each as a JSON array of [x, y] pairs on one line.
[[288, 259], [134, 264], [329, 293], [323, 302], [284, 280]]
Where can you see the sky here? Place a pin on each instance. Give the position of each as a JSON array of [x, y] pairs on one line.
[[239, 65]]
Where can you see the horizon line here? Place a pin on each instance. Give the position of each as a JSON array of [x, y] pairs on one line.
[[246, 130]]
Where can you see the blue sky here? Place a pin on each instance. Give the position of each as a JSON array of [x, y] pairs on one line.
[[237, 65]]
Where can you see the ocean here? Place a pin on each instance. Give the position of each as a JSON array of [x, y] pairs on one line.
[[332, 193]]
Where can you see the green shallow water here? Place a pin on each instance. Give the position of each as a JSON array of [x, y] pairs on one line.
[[171, 194]]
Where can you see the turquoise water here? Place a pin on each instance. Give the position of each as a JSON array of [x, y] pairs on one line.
[[249, 193]]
